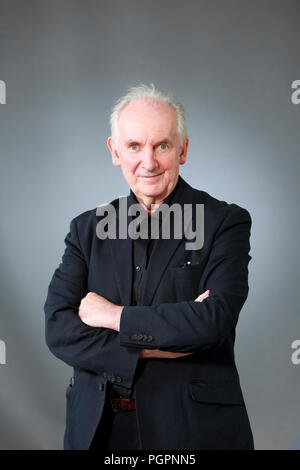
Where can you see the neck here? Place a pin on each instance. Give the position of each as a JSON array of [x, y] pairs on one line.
[[150, 204]]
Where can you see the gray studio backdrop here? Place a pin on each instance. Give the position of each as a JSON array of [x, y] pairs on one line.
[[64, 63]]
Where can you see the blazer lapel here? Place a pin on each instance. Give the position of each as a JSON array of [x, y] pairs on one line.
[[121, 252], [164, 250], [161, 256]]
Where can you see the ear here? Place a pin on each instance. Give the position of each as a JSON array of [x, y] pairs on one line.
[[113, 150], [184, 149]]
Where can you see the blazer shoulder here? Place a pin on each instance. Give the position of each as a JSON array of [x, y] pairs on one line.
[[221, 209], [85, 222], [85, 219]]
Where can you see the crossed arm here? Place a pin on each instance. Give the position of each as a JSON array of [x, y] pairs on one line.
[[179, 328], [94, 310]]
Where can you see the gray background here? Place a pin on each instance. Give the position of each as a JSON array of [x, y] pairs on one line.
[[65, 63]]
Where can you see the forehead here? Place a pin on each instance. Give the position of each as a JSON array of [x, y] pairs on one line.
[[147, 119]]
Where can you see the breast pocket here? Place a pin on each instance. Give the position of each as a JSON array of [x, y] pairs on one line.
[[186, 281]]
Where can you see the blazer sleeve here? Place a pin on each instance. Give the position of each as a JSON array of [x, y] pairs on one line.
[[68, 338], [188, 325]]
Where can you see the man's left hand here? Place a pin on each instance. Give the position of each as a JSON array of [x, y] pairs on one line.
[[95, 310]]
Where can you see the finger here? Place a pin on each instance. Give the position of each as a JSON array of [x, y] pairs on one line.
[[203, 296]]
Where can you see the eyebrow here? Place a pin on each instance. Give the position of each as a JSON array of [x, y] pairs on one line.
[[165, 140]]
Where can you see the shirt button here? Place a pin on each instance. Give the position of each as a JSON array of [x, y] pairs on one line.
[[138, 268], [101, 387]]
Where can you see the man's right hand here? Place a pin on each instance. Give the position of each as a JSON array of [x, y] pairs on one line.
[[147, 353], [161, 354]]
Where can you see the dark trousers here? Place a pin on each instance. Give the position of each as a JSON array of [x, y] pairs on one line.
[[117, 430]]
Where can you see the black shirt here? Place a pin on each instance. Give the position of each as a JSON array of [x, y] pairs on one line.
[[142, 250]]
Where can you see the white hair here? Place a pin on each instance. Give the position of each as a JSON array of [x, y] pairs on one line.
[[148, 92]]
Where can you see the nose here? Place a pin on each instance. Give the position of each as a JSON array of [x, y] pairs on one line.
[[149, 161]]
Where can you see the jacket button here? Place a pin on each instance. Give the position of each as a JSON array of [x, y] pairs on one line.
[[135, 336], [149, 339], [101, 387], [118, 379], [140, 336], [145, 338]]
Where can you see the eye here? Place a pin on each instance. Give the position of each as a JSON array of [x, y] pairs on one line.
[[133, 146], [163, 146]]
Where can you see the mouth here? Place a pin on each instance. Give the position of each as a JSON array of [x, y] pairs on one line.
[[151, 176]]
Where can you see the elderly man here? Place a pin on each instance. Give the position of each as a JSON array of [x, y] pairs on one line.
[[147, 322]]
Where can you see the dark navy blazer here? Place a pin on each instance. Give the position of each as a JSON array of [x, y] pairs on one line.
[[193, 402]]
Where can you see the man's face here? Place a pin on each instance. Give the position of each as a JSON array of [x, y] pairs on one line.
[[148, 149]]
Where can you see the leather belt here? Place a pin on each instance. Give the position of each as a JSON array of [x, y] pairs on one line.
[[122, 404]]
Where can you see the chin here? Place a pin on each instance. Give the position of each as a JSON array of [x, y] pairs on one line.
[[150, 190]]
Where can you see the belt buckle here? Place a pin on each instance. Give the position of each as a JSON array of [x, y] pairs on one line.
[[122, 404], [113, 404]]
